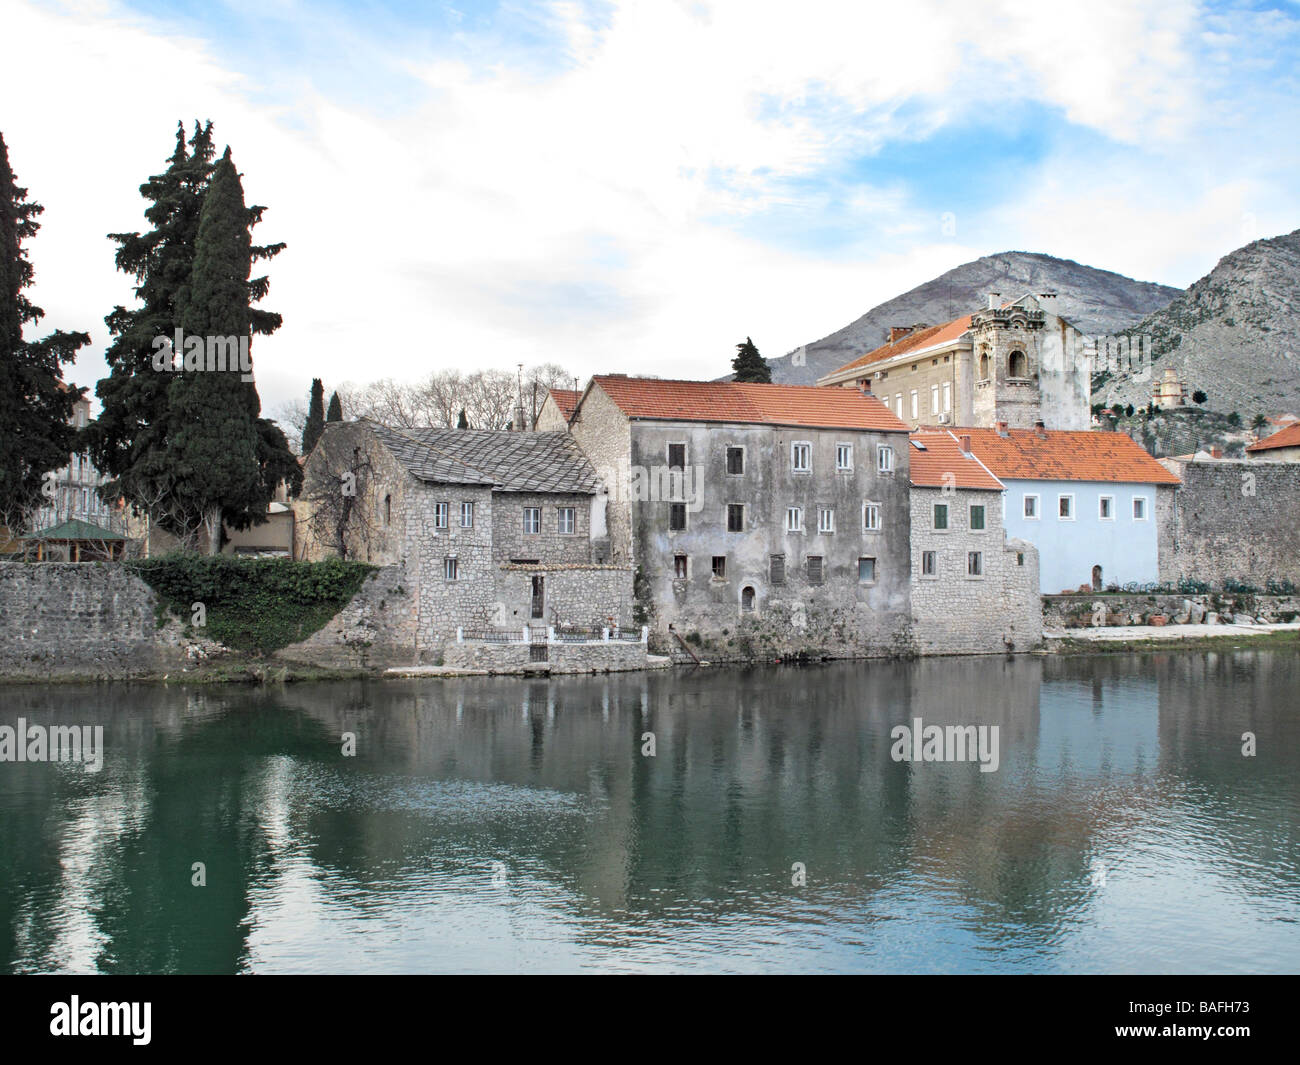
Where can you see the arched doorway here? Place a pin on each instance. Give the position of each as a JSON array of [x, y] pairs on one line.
[[1096, 578], [747, 599]]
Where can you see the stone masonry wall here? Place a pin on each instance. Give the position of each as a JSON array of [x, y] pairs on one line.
[[1135, 608], [955, 613], [1231, 520], [62, 620], [376, 629], [603, 433], [615, 656]]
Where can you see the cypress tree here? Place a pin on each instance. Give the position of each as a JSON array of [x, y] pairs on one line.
[[315, 416], [35, 407], [335, 413], [463, 421], [227, 460], [749, 366]]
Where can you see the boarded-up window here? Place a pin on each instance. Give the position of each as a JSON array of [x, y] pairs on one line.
[[776, 569], [735, 517], [677, 456], [814, 569], [676, 515], [735, 460]]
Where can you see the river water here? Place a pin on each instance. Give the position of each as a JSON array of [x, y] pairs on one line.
[[505, 824]]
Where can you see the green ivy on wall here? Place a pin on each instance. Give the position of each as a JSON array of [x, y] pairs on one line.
[[258, 605]]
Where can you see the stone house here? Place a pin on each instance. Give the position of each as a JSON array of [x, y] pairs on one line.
[[495, 530], [765, 519], [557, 409], [1090, 502], [973, 590], [1017, 362], [1282, 446]]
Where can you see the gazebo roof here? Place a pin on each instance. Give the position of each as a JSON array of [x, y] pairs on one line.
[[73, 529]]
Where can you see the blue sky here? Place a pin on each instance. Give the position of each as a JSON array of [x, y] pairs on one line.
[[635, 186]]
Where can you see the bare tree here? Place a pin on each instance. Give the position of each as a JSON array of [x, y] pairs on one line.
[[337, 493]]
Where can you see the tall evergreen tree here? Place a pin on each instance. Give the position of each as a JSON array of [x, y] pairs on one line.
[[35, 407], [749, 366], [335, 413], [227, 460], [315, 424], [463, 421], [130, 438]]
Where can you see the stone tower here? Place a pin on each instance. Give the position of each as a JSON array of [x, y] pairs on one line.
[[1007, 363]]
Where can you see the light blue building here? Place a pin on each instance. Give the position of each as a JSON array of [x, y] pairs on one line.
[[1086, 500]]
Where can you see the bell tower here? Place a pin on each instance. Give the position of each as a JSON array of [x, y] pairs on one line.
[[1007, 365]]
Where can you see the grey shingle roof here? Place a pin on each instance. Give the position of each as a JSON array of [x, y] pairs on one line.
[[508, 461]]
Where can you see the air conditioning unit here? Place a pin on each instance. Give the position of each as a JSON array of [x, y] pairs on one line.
[[945, 418]]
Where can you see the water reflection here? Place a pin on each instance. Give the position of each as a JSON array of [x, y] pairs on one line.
[[515, 824]]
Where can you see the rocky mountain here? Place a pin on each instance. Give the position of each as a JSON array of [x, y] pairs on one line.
[[1096, 301], [1234, 334]]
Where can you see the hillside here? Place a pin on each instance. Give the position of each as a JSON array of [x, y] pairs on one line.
[[1096, 301], [1235, 334]]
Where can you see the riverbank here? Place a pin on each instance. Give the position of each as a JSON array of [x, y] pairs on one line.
[[1125, 639]]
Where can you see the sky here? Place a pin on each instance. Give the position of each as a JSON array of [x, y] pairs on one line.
[[635, 187]]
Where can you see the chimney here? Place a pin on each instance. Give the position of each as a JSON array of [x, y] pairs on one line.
[[521, 419], [1040, 430], [897, 332], [965, 442], [995, 300], [1047, 301], [1216, 452], [864, 386], [1002, 429]]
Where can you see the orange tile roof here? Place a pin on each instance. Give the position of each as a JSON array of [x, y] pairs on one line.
[[728, 401], [943, 462], [1066, 455], [922, 339], [1288, 437], [566, 399]]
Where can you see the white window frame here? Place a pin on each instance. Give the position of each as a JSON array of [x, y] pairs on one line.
[[572, 513], [841, 450], [441, 515], [884, 458], [1101, 515], [1145, 508], [947, 396], [898, 401], [979, 555], [916, 403], [451, 568], [1037, 515], [467, 511], [934, 399], [794, 519], [921, 569], [870, 509], [875, 569], [1073, 512], [537, 513], [685, 558], [795, 452], [825, 520]]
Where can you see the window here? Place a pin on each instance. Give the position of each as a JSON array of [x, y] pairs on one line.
[[947, 394], [871, 517], [898, 402], [440, 512], [676, 516], [1020, 558], [801, 458], [929, 564], [1139, 508], [825, 520], [677, 456], [1065, 507], [916, 405], [794, 519], [467, 515], [532, 520], [747, 598], [1106, 508], [885, 458], [1017, 365], [977, 517], [984, 366], [867, 570], [735, 460], [451, 569], [940, 516], [567, 521], [735, 517], [1031, 507], [719, 567], [814, 564], [776, 569], [975, 564], [679, 567], [844, 456], [934, 399]]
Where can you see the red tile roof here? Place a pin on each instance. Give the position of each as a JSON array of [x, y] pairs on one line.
[[1066, 455], [943, 463], [566, 399], [1288, 437], [922, 339], [728, 401]]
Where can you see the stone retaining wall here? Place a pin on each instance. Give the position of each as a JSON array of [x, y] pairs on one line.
[[1082, 611]]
